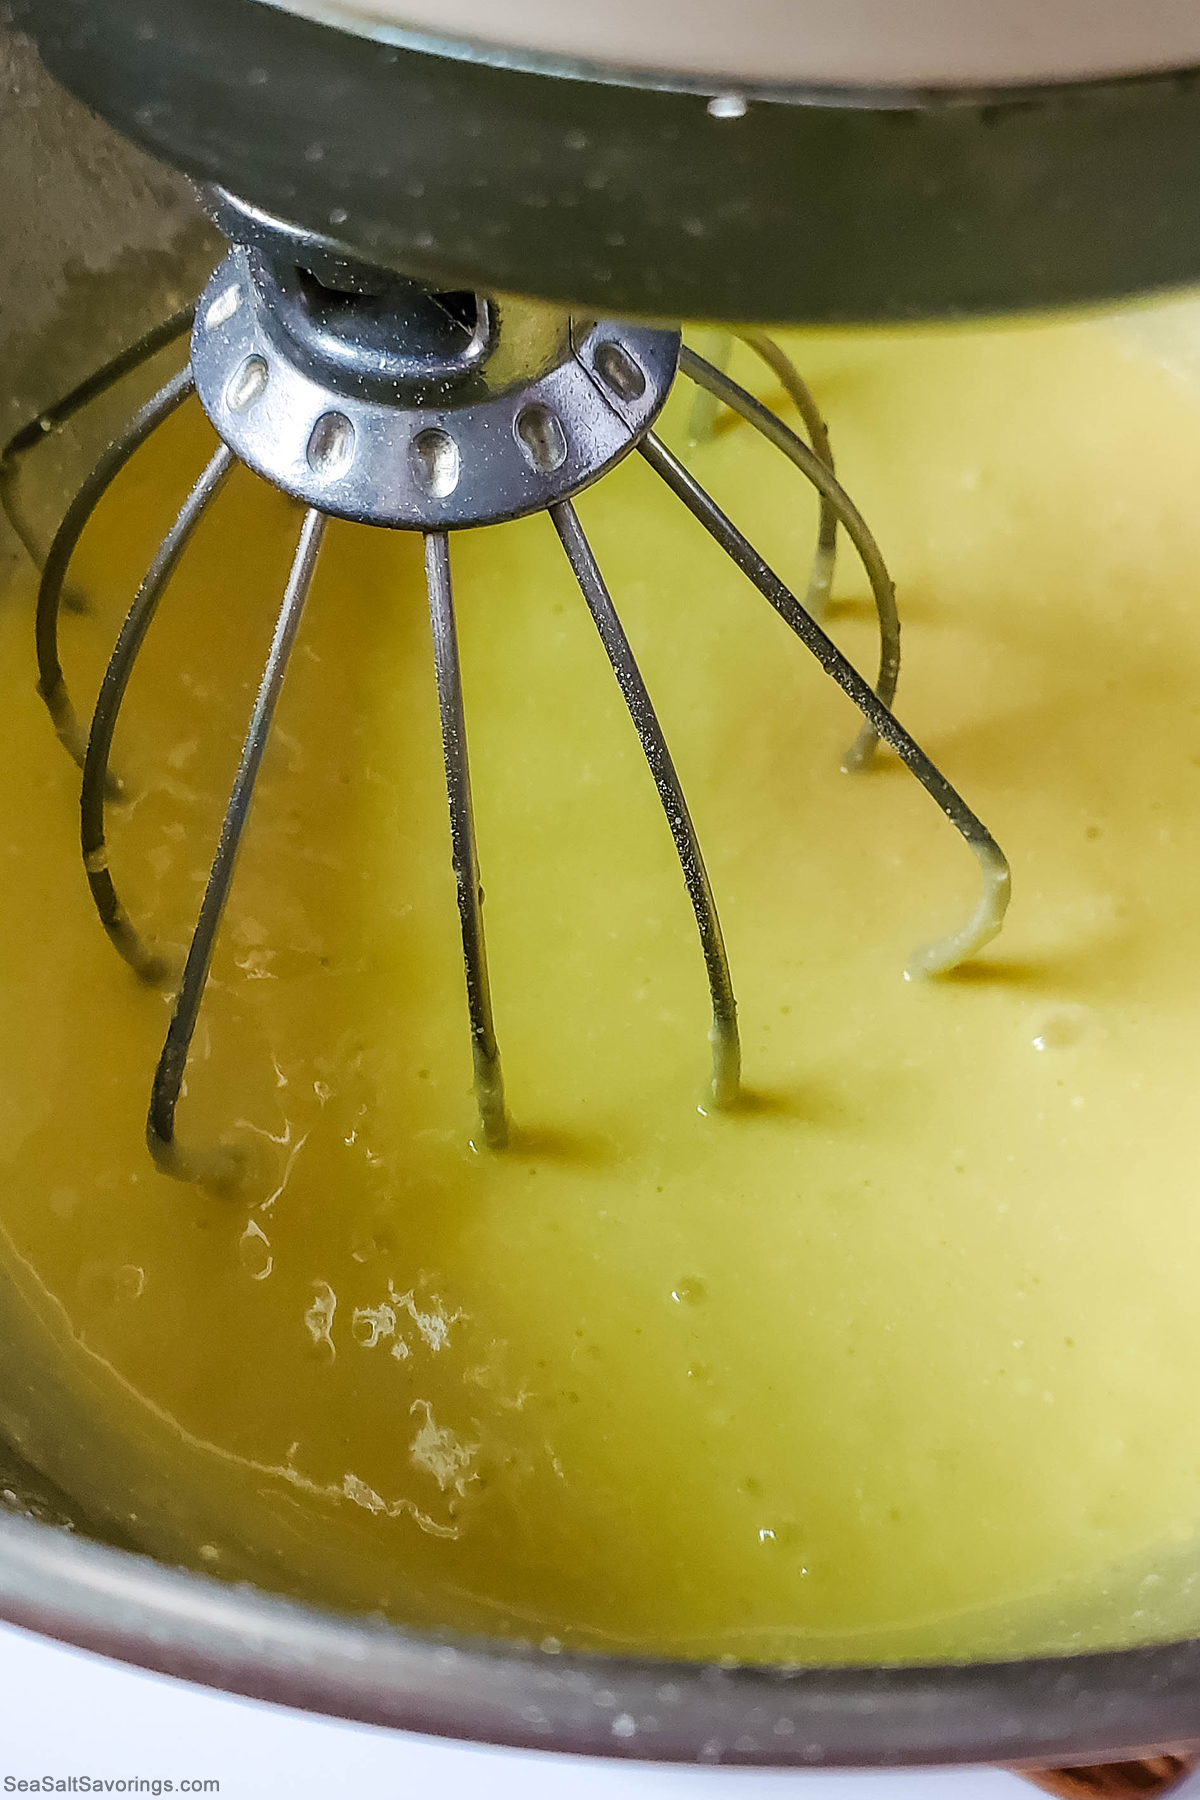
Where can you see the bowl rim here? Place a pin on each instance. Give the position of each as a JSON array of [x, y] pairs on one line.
[[1082, 1708]]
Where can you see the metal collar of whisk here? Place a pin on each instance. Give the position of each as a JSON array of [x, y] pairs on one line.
[[383, 401]]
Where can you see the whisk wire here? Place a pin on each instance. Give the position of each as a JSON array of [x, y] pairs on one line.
[[820, 580], [52, 684], [706, 404], [96, 780], [726, 1048], [485, 1052], [63, 410], [988, 916], [222, 1165], [702, 414], [827, 485]]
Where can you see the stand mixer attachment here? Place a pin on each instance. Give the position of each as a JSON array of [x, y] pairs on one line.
[[368, 396]]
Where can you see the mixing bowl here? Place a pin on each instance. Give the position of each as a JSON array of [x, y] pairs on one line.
[[99, 242]]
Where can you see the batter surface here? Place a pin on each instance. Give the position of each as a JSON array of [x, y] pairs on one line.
[[897, 1360]]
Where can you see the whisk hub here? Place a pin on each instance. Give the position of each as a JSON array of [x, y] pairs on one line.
[[533, 407]]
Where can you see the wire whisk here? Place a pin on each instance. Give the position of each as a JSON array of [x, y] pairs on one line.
[[370, 397]]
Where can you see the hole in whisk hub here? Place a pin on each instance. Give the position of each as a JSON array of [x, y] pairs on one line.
[[222, 309], [331, 445], [436, 463], [247, 384], [618, 371], [542, 438]]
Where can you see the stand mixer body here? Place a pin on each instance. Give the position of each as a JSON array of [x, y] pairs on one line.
[[646, 193], [780, 204]]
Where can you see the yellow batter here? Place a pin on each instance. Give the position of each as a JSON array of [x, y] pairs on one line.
[[897, 1360]]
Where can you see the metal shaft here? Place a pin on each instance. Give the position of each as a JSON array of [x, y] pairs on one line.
[[485, 1052], [113, 916], [988, 916], [36, 430], [726, 1049], [830, 489], [51, 684], [221, 1166]]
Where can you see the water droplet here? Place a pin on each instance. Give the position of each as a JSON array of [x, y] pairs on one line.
[[247, 385], [331, 445], [542, 439], [617, 369], [436, 464], [689, 1292], [727, 106]]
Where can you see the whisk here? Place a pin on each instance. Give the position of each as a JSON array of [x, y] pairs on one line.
[[371, 397]]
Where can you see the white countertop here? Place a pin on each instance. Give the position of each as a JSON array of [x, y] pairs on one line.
[[64, 1713]]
